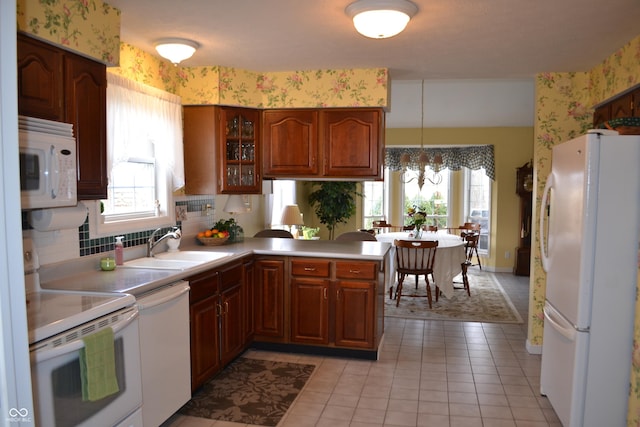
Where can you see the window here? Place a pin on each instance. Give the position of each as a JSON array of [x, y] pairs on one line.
[[144, 157], [433, 198], [284, 193], [132, 190], [478, 204], [375, 201]]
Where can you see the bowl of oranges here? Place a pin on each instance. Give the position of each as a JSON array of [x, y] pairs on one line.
[[213, 237]]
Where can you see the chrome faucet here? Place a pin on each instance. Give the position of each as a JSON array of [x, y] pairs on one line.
[[175, 233]]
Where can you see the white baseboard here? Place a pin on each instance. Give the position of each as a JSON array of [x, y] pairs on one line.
[[533, 349]]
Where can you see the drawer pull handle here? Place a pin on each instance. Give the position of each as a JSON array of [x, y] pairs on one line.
[[354, 271], [309, 269], [324, 292]]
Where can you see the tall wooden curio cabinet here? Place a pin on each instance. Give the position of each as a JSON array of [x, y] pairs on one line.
[[524, 189]]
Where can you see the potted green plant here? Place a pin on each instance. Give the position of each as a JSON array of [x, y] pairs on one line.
[[334, 202], [309, 232]]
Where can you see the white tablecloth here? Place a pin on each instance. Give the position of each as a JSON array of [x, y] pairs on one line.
[[449, 257]]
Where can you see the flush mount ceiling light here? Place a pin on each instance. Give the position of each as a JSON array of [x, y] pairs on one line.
[[380, 19], [176, 50]]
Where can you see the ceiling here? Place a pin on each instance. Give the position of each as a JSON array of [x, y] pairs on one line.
[[447, 39]]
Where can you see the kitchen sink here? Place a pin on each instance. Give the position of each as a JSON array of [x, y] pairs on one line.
[[160, 264], [180, 260], [201, 256]]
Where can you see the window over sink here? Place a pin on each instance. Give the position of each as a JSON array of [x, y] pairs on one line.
[[144, 158]]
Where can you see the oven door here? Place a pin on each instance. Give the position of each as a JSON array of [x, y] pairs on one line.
[[56, 381]]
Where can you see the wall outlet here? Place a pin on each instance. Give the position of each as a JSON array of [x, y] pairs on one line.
[[181, 213], [207, 210], [507, 255]]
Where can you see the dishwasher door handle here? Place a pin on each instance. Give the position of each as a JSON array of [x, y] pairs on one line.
[[163, 295]]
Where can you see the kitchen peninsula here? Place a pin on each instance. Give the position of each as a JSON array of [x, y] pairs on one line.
[[319, 297]]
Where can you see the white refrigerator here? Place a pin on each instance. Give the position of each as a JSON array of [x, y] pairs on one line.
[[589, 228]]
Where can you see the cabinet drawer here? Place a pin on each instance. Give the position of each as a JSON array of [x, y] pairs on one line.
[[230, 276], [355, 270], [203, 285], [310, 267]]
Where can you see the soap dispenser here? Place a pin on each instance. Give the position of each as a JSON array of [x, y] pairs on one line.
[[119, 250]]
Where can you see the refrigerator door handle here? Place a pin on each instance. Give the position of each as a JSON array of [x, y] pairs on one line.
[[558, 323], [543, 214]]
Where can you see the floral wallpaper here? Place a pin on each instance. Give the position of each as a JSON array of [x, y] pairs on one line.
[[90, 27], [564, 108], [291, 89]]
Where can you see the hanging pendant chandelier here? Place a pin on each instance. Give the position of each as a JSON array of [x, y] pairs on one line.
[[425, 169]]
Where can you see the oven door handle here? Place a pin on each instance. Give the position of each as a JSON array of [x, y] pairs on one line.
[[44, 353]]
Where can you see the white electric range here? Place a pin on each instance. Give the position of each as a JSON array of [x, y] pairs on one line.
[[50, 312], [58, 321]]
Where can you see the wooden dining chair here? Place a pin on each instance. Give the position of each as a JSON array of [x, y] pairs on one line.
[[409, 227], [359, 236], [471, 248], [414, 257], [274, 232], [432, 228], [381, 226], [368, 230]]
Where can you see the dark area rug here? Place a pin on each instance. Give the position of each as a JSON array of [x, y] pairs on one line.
[[250, 391]]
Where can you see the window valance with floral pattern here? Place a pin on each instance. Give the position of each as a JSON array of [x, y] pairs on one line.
[[453, 158]]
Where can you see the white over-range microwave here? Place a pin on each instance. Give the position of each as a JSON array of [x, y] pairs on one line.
[[48, 176]]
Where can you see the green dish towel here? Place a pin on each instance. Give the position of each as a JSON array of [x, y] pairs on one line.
[[98, 366]]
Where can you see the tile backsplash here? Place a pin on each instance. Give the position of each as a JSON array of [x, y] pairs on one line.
[[65, 245]]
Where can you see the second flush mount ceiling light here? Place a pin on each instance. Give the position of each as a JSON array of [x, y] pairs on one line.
[[381, 19]]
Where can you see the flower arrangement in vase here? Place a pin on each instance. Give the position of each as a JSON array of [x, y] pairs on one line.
[[417, 217]]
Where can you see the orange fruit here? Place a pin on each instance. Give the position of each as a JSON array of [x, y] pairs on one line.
[[214, 231], [201, 234], [208, 233]]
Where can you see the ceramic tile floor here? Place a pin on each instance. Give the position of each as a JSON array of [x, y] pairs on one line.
[[430, 373]]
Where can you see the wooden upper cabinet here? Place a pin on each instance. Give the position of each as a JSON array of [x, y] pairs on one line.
[[86, 108], [315, 143], [625, 105], [221, 150], [622, 107], [239, 151], [601, 115], [199, 141], [55, 84], [352, 142], [290, 141], [40, 82]]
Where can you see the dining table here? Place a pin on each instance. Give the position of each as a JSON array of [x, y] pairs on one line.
[[448, 262]]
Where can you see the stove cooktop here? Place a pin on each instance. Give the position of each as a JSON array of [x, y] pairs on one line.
[[52, 312]]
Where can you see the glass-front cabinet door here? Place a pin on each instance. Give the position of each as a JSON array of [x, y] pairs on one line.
[[240, 150]]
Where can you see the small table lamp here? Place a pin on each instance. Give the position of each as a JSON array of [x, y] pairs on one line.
[[291, 216], [235, 204]]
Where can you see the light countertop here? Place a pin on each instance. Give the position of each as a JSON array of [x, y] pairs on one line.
[[86, 275]]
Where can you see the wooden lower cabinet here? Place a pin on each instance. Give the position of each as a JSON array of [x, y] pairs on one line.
[[248, 271], [232, 313], [217, 309], [333, 303], [355, 314], [269, 309], [310, 301], [205, 334]]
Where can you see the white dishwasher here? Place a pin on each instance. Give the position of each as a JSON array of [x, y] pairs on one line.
[[165, 356]]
